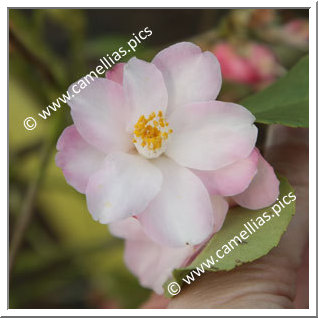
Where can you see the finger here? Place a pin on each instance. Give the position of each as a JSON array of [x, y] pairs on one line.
[[301, 300], [287, 150], [155, 302]]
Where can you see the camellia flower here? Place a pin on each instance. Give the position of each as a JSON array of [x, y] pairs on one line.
[[155, 154], [250, 63]]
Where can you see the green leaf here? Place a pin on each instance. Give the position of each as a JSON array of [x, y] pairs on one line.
[[286, 101], [258, 244]]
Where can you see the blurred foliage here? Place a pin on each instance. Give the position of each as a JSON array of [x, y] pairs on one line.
[[64, 259]]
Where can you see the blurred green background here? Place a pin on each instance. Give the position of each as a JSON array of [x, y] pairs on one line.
[[59, 256]]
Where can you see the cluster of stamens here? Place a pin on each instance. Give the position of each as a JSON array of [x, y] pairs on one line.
[[151, 134]]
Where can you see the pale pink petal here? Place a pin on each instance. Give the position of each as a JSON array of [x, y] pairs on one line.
[[232, 179], [123, 187], [190, 75], [100, 114], [263, 190], [211, 135], [116, 73], [150, 262], [77, 159], [128, 229], [144, 88], [181, 214], [153, 263], [220, 208]]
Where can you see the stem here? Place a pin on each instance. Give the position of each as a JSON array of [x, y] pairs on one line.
[[27, 207], [26, 213], [29, 56]]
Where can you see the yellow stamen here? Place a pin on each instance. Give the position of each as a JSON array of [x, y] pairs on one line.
[[151, 130]]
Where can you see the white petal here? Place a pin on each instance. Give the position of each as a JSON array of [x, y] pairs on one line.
[[100, 114], [123, 187], [152, 263], [211, 135], [181, 214], [144, 88], [190, 75], [220, 208], [77, 159]]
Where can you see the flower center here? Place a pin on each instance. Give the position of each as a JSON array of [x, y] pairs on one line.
[[151, 135]]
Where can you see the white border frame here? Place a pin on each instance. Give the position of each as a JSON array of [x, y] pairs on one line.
[[312, 164]]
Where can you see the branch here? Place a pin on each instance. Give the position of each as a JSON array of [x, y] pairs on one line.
[[30, 57], [27, 207]]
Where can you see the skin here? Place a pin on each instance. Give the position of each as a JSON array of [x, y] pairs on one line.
[[279, 279]]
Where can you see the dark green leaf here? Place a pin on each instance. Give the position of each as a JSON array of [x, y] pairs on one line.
[[286, 101]]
